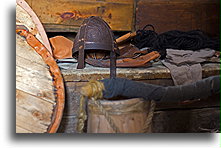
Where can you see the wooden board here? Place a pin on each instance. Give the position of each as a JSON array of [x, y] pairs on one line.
[[67, 15], [25, 15], [157, 71], [186, 15], [35, 99], [37, 104], [32, 113]]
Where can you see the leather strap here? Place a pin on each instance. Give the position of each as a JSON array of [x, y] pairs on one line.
[[81, 63], [54, 70], [81, 46], [141, 61], [112, 64], [126, 37], [130, 51]]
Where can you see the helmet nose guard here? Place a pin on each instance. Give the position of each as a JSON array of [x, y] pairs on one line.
[[95, 34]]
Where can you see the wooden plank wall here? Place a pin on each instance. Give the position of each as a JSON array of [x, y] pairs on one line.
[[68, 15], [128, 15], [183, 15]]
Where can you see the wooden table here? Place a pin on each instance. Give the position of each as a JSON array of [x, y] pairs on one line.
[[199, 116]]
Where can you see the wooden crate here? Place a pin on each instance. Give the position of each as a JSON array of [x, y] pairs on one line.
[[200, 116], [67, 15], [183, 15]]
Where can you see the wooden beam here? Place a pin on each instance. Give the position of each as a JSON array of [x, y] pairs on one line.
[[68, 15]]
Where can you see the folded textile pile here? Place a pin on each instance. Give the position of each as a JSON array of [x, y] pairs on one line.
[[184, 65]]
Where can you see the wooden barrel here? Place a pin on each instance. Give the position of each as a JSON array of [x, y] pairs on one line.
[[39, 107], [129, 116]]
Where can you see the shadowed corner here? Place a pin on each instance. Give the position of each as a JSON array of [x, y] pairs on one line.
[[12, 67]]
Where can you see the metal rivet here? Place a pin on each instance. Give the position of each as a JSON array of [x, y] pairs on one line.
[[83, 25], [81, 47], [39, 94], [81, 40]]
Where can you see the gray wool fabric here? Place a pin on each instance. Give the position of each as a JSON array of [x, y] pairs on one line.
[[184, 65], [131, 89]]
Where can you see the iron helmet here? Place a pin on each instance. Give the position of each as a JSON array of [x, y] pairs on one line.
[[95, 34]]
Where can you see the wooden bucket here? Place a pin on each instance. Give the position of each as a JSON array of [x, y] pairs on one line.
[[39, 106], [129, 116]]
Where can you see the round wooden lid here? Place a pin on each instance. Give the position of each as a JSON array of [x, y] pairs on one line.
[[39, 104]]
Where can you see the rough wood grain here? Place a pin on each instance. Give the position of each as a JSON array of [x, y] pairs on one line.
[[35, 99], [30, 102], [21, 45], [67, 15], [183, 15], [39, 85], [22, 17], [22, 130], [157, 71], [32, 74], [69, 119], [128, 115], [26, 16], [31, 109], [26, 120]]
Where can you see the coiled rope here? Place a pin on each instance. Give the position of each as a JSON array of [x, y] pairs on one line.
[[94, 91], [174, 39]]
